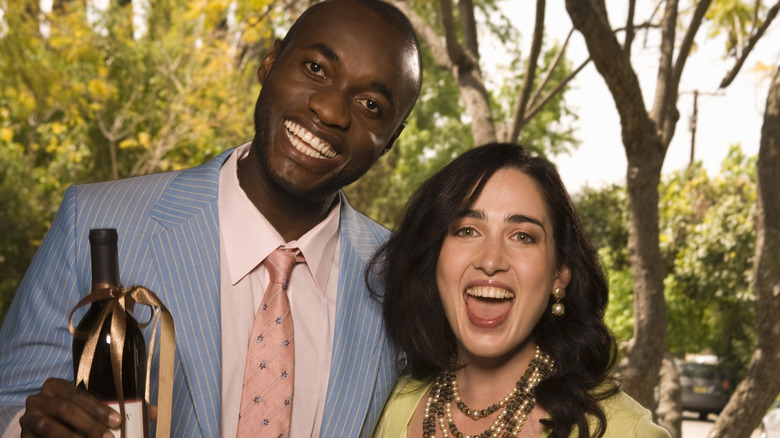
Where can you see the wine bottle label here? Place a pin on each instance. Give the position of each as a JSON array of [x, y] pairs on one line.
[[134, 419]]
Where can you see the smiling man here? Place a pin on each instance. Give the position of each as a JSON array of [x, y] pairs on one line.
[[335, 94]]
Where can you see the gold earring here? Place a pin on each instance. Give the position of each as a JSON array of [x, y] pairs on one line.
[[557, 308]]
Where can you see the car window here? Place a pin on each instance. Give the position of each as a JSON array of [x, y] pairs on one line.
[[703, 371]]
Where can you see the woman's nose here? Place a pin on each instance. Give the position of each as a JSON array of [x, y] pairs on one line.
[[492, 257]]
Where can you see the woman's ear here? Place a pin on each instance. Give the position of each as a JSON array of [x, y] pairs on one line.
[[562, 277]]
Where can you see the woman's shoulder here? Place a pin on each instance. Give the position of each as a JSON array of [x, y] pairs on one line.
[[627, 418], [407, 394]]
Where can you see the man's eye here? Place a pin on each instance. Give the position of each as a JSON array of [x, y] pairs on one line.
[[315, 68], [370, 106], [524, 238]]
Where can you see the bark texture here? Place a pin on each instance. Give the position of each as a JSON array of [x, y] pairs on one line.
[[645, 153], [756, 392], [670, 398]]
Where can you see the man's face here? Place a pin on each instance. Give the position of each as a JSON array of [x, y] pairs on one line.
[[333, 99]]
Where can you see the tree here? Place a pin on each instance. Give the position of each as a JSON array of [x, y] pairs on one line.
[[756, 392], [707, 236], [90, 101], [708, 239], [646, 136], [469, 100], [96, 100]]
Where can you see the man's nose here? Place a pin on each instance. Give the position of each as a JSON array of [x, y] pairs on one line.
[[332, 107]]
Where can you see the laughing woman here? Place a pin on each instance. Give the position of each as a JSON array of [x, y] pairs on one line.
[[495, 298]]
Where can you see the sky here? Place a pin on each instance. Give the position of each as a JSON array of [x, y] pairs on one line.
[[725, 117]]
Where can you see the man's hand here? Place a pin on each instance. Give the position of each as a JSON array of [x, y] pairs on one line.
[[62, 410]]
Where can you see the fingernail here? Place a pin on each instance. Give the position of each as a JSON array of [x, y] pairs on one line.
[[108, 435], [114, 420]]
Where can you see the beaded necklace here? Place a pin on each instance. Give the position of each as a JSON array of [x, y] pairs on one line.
[[515, 407]]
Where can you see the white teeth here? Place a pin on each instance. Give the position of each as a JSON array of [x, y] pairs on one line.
[[489, 292], [308, 143]]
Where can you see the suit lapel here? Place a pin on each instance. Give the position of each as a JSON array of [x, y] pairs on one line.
[[187, 256], [359, 339]]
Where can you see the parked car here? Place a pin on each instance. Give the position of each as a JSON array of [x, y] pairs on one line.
[[770, 424], [704, 389]]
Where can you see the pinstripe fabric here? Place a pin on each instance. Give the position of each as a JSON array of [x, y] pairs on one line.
[[169, 242], [362, 372]]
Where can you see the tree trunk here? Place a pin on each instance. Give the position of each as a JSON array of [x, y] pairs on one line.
[[669, 409], [645, 153], [756, 392], [475, 96]]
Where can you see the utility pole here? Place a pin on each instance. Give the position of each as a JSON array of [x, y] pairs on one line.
[[693, 121], [692, 124]]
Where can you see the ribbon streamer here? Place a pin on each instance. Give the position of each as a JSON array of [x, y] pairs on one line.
[[118, 299]]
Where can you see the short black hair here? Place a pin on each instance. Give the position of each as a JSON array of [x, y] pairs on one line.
[[386, 11], [389, 13]]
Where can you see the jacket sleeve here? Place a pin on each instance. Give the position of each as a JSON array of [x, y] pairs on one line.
[[35, 342]]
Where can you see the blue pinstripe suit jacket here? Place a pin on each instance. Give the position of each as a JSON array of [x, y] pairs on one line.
[[169, 242]]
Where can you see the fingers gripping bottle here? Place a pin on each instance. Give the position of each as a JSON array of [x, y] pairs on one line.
[[101, 376]]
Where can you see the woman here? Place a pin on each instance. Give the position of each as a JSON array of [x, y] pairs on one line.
[[496, 299]]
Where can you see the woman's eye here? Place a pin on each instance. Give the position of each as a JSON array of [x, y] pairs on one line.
[[315, 68], [465, 232], [524, 238]]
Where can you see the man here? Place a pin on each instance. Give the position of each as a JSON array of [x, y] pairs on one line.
[[335, 94]]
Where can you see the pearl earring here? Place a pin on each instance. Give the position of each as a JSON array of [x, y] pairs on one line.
[[557, 308]]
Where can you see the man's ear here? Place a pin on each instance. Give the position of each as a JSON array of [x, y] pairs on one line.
[[393, 139], [268, 61]]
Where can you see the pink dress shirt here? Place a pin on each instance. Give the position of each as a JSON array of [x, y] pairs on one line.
[[246, 238]]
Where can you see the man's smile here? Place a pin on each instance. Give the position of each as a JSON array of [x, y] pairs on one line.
[[307, 143]]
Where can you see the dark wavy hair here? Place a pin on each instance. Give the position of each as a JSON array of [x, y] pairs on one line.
[[582, 346]]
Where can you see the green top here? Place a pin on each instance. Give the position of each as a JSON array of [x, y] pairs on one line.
[[626, 418]]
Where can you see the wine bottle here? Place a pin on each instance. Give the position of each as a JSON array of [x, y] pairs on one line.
[[105, 273]]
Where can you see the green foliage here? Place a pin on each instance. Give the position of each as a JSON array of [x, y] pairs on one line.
[[707, 238], [438, 130], [620, 311], [89, 101], [82, 101], [433, 136], [732, 18], [710, 244], [604, 215], [19, 213]]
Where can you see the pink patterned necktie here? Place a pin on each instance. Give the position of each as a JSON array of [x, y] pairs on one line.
[[266, 400]]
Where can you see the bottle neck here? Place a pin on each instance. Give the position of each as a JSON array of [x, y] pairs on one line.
[[105, 261]]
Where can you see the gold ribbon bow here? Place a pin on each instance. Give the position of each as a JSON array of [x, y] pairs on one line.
[[117, 300]]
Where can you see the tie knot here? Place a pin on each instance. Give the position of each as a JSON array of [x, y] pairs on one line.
[[280, 263]]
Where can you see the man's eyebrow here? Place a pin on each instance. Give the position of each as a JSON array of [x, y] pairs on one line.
[[326, 52], [383, 89]]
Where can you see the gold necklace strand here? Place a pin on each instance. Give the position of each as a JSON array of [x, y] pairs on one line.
[[476, 414], [515, 407]]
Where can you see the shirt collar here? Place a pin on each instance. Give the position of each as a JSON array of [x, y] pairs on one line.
[[249, 238]]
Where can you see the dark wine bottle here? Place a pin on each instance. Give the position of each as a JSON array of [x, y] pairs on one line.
[[105, 273]]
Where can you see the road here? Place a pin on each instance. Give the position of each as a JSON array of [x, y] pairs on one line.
[[693, 428]]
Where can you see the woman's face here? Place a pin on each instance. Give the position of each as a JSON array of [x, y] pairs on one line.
[[497, 269]]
